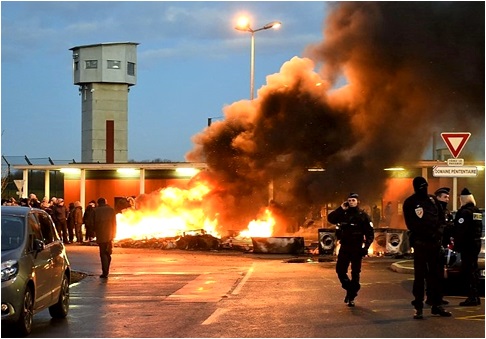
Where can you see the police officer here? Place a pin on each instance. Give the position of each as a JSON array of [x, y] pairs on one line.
[[354, 230], [468, 224], [445, 218], [421, 213], [446, 224]]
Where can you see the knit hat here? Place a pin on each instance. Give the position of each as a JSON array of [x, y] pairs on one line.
[[466, 197], [353, 195], [441, 190]]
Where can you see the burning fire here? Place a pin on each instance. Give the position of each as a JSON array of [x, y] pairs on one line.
[[172, 211], [261, 227], [166, 213]]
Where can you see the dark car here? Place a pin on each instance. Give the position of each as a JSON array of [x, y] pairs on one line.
[[35, 268]]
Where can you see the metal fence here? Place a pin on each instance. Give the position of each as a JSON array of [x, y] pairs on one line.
[[9, 174]]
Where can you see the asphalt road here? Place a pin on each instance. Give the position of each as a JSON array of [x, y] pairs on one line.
[[175, 293]]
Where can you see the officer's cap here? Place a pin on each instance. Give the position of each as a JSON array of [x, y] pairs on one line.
[[441, 190]]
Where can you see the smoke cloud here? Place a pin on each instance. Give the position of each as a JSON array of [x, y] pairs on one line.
[[410, 69]]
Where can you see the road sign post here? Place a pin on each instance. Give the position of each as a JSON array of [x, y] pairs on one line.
[[455, 171], [20, 187], [455, 142]]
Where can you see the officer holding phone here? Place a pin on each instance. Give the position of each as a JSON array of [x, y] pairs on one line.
[[354, 230]]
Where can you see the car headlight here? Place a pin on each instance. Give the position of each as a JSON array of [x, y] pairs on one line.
[[10, 268]]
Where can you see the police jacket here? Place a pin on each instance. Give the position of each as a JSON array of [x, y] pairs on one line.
[[353, 227], [468, 226], [421, 213], [446, 223]]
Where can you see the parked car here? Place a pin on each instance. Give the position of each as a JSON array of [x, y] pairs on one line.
[[35, 268]]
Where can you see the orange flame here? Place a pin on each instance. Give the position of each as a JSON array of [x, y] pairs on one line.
[[167, 213], [260, 228], [171, 212]]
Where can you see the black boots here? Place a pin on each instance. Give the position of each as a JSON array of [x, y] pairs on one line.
[[439, 310], [471, 301], [435, 310], [349, 299], [418, 314]]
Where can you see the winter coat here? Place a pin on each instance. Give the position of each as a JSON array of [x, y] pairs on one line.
[[77, 215], [104, 218], [468, 227]]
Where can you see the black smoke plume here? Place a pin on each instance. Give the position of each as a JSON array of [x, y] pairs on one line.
[[411, 68]]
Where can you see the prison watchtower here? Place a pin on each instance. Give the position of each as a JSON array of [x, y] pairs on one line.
[[104, 73]]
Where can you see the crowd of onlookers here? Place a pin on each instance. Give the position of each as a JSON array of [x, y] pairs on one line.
[[69, 220]]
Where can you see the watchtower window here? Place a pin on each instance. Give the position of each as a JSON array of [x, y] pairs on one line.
[[114, 64], [130, 68], [76, 65], [91, 64]]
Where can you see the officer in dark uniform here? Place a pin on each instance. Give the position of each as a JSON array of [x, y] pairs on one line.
[[446, 223], [354, 230], [468, 224], [421, 212], [445, 218]]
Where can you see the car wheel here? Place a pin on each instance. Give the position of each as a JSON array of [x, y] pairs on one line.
[[26, 317], [61, 308]]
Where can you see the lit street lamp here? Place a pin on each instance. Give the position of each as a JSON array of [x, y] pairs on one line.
[[244, 25]]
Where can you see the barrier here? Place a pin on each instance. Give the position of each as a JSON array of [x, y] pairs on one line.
[[278, 245], [379, 242], [390, 241]]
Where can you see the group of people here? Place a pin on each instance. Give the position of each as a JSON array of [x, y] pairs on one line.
[[386, 218], [431, 228], [99, 220], [68, 220]]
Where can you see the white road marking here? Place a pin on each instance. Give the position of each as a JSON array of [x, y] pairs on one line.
[[243, 281], [214, 317]]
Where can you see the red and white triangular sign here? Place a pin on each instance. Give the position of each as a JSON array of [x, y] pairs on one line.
[[455, 141]]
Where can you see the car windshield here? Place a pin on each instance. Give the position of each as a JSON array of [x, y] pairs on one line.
[[12, 232]]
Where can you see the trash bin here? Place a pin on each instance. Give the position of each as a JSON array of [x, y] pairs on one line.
[[327, 240], [397, 241], [278, 245], [379, 242]]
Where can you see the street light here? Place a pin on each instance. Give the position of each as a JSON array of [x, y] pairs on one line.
[[210, 120], [244, 25]]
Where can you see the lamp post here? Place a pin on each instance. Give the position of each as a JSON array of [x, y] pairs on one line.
[[244, 25], [210, 120]]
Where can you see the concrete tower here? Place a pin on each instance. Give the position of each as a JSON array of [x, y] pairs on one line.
[[104, 73]]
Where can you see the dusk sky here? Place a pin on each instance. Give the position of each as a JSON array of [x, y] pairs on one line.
[[191, 64]]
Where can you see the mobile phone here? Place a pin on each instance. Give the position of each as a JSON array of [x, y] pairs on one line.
[[346, 204]]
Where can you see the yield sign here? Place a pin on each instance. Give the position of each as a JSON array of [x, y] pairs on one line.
[[455, 141], [19, 184]]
